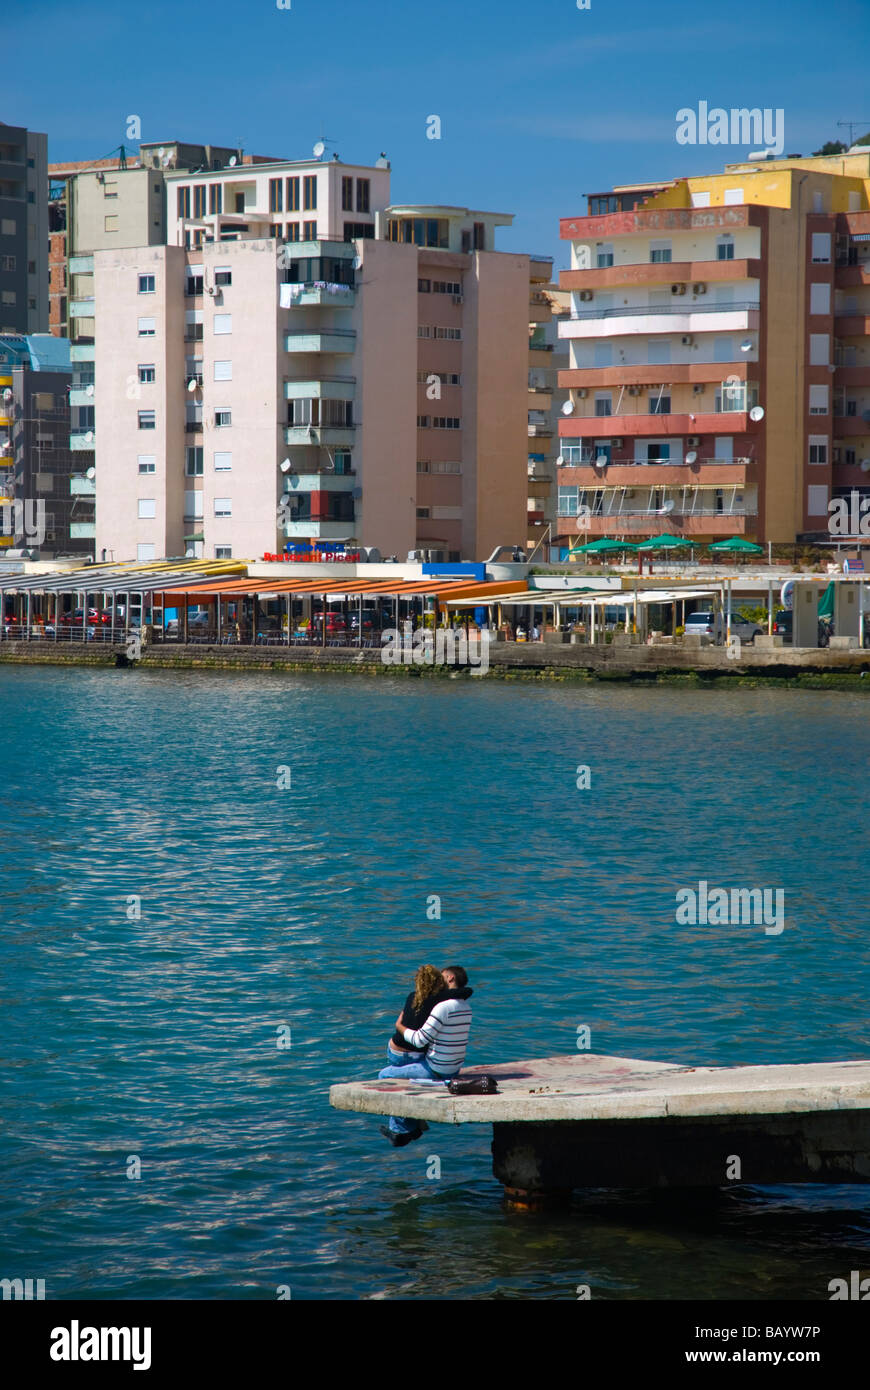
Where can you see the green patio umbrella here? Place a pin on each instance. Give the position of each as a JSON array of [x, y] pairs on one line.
[[665, 542], [603, 544], [737, 543], [826, 602]]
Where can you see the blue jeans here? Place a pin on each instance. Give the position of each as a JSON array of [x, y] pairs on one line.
[[409, 1071]]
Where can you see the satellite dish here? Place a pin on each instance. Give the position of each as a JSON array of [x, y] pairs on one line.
[[319, 150], [666, 508], [89, 437], [192, 384], [357, 262], [786, 594], [161, 152], [559, 461], [568, 408], [691, 456], [89, 390], [746, 345], [865, 465], [382, 162], [233, 161], [7, 394], [601, 460], [91, 473], [285, 465], [757, 413], [166, 160]]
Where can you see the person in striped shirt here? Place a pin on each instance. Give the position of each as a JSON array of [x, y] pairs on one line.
[[443, 1038]]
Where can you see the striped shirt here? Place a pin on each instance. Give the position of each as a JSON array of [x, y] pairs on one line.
[[445, 1034]]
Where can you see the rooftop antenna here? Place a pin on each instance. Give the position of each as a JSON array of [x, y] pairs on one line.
[[851, 125], [319, 149]]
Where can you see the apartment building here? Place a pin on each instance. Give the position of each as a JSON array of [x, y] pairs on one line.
[[47, 504], [304, 362], [548, 355], [719, 356], [23, 230]]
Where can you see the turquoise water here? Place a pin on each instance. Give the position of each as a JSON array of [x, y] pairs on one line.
[[154, 1037]]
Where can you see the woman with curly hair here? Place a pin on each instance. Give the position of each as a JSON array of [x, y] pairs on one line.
[[429, 989]]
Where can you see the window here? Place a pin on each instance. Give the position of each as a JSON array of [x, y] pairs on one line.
[[479, 236], [817, 501], [424, 466], [732, 197], [199, 200], [275, 229], [818, 400], [110, 222], [659, 252], [819, 350], [9, 297], [147, 420], [602, 354], [223, 323], [603, 254], [850, 456], [423, 512], [820, 298], [223, 506], [31, 270], [292, 195], [446, 287], [347, 195], [183, 201], [453, 334], [818, 447], [276, 198], [700, 199], [223, 462], [193, 325], [309, 231], [145, 550], [292, 231], [8, 262], [223, 371], [193, 461], [423, 286], [446, 422], [8, 226], [223, 276], [223, 417], [215, 198], [193, 280], [723, 294], [423, 330], [147, 373], [722, 350], [309, 192], [223, 552], [445, 467], [424, 422], [724, 248], [147, 463], [147, 508], [659, 404], [821, 248], [659, 350], [147, 284], [354, 231], [363, 193], [603, 403], [146, 328]]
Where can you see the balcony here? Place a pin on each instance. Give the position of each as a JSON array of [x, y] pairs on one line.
[[316, 294], [326, 388], [193, 427], [851, 325], [335, 436], [80, 486], [82, 308], [81, 395], [701, 522], [81, 265], [338, 341], [82, 530], [660, 221], [612, 426], [540, 429], [192, 376], [849, 427], [670, 473], [325, 481], [82, 352], [319, 530], [648, 375], [654, 319], [82, 441], [660, 273], [540, 269]]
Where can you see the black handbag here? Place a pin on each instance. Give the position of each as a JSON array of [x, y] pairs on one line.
[[474, 1086]]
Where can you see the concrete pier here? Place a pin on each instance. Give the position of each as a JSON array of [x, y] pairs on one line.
[[561, 1123]]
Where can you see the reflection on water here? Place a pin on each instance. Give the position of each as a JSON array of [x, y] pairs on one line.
[[155, 1035]]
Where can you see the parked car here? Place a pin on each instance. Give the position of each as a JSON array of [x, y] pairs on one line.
[[97, 617], [712, 626], [783, 624]]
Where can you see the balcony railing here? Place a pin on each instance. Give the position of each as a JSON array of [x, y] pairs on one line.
[[679, 306], [590, 459], [637, 518], [193, 427]]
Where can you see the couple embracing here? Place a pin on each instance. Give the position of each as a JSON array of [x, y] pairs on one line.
[[430, 1038]]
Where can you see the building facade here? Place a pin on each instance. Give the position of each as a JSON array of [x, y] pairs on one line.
[[719, 357], [23, 230], [304, 363]]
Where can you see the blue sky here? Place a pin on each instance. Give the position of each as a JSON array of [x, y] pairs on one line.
[[540, 103]]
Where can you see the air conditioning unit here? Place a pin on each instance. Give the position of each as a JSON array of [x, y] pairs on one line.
[[687, 339], [617, 443], [678, 289], [694, 440], [634, 390], [586, 295], [581, 393], [699, 289], [698, 389], [458, 298]]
